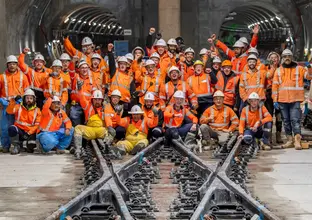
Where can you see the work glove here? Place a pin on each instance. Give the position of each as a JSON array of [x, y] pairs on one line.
[[118, 109], [53, 74], [26, 136], [111, 131], [158, 36], [276, 105], [80, 84], [307, 64], [136, 94], [155, 111], [18, 98]]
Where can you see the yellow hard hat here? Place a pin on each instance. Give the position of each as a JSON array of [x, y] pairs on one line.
[[198, 62], [226, 63]]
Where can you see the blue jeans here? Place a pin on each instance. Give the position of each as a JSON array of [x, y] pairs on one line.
[[262, 133], [57, 139], [291, 116], [76, 115], [6, 121]]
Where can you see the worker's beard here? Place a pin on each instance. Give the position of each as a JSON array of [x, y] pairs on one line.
[[29, 105], [148, 106]]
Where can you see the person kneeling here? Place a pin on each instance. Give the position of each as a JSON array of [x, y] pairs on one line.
[[255, 122]]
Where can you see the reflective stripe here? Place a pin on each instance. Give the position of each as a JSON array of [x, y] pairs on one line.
[[6, 86], [257, 82], [247, 111], [267, 129], [49, 124], [51, 87], [115, 83], [254, 87], [66, 120], [169, 125], [235, 122], [218, 124], [227, 51], [143, 126], [224, 118], [291, 88], [234, 117], [90, 111], [24, 123]]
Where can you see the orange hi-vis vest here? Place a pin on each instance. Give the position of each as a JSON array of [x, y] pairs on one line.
[[58, 86], [87, 88], [174, 118], [201, 85], [146, 123], [122, 82], [145, 86], [12, 84], [228, 89]]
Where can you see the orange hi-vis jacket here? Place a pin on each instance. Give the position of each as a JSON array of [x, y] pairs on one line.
[[12, 84], [186, 71], [174, 118], [223, 119], [135, 66], [112, 119], [35, 78], [87, 88], [166, 62], [201, 85], [229, 89], [122, 82], [58, 86], [144, 124], [26, 119], [52, 122], [248, 118], [101, 78], [66, 77], [288, 84], [72, 51], [167, 91], [88, 108]]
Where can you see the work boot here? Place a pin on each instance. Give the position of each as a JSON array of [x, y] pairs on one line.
[[78, 145], [204, 130], [118, 149], [14, 149], [278, 136], [264, 146], [59, 151], [289, 143], [297, 143], [190, 139], [137, 148], [5, 150]]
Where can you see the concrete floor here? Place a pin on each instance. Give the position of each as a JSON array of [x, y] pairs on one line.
[[34, 186]]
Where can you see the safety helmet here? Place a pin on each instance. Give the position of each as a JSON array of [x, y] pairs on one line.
[[216, 60], [203, 51], [138, 48], [189, 50], [129, 56], [29, 92], [96, 56], [123, 59], [254, 95], [149, 62], [116, 92], [239, 44], [226, 63], [11, 59], [39, 57], [287, 52], [82, 63], [172, 69], [161, 42], [253, 50], [155, 55], [56, 63], [86, 41], [252, 56], [179, 94], [172, 41], [218, 94], [136, 110], [273, 52], [198, 62], [55, 99], [97, 94], [149, 96], [65, 56], [244, 40]]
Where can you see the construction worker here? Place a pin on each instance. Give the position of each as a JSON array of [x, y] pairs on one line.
[[288, 93], [113, 113], [13, 82], [163, 72], [136, 135], [178, 120], [37, 76], [94, 117], [218, 121], [83, 81], [65, 59], [186, 64], [138, 54], [203, 86], [166, 61], [255, 122], [150, 110], [204, 55], [51, 134], [167, 91], [216, 64], [27, 119], [259, 65], [55, 85], [228, 84], [172, 47], [100, 75]]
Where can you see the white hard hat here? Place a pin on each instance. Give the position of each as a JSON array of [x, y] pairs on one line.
[[39, 57], [12, 59], [218, 94], [29, 92], [82, 63], [287, 52], [97, 94], [136, 110], [179, 94], [252, 56], [149, 96], [86, 41], [172, 41], [149, 62], [96, 56], [216, 60], [244, 40], [189, 50], [155, 55], [116, 92], [172, 69], [253, 50], [65, 56], [161, 42], [203, 51], [253, 95], [57, 63], [123, 59], [138, 48], [55, 99], [239, 44], [129, 56]]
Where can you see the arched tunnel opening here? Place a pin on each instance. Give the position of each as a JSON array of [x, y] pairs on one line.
[[276, 31]]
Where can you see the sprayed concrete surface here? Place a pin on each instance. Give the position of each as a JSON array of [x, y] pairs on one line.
[[282, 180], [34, 186]]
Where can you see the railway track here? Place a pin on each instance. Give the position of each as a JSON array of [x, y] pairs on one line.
[[166, 182]]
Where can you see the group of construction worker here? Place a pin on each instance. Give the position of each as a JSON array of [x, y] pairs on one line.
[[130, 101]]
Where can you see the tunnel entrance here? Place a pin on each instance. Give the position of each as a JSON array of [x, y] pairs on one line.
[[276, 32]]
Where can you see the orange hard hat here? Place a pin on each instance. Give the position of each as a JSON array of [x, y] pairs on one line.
[[226, 63]]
